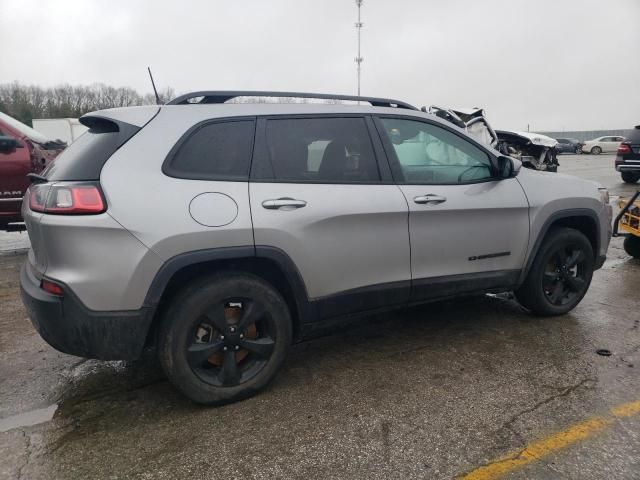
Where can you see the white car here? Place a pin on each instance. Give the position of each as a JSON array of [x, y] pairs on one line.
[[600, 145]]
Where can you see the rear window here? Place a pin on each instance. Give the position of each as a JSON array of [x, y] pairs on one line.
[[214, 151], [84, 158], [634, 136]]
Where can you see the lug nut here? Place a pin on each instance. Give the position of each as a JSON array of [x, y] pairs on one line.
[[221, 337], [237, 347], [241, 335], [224, 349], [232, 329]]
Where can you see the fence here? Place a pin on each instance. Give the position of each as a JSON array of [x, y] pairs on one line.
[[583, 135]]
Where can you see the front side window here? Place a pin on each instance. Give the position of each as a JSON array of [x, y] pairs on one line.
[[428, 154], [214, 151], [323, 150]]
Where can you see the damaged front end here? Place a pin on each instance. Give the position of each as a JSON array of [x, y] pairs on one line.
[[535, 151], [532, 149]]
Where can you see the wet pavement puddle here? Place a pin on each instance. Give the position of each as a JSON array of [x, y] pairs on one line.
[[28, 419]]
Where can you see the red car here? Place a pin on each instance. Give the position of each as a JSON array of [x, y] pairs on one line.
[[22, 151]]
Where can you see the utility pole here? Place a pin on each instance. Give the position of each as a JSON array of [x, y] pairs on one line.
[[359, 58]]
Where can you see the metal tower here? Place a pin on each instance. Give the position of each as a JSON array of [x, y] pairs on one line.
[[359, 58]]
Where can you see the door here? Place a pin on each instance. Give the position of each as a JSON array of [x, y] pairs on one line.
[[605, 143], [317, 194], [468, 230]]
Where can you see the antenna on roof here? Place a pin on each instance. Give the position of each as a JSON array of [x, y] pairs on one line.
[[154, 87]]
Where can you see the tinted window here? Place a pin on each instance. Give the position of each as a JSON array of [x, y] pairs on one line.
[[329, 150], [84, 158], [214, 151], [428, 154], [634, 136], [563, 140]]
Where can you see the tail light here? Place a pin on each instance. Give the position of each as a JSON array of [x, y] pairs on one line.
[[67, 198], [624, 149]]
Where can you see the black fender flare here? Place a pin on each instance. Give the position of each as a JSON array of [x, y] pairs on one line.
[[276, 255], [559, 215]]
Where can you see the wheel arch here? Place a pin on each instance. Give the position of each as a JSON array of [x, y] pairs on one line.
[[269, 263], [582, 219]]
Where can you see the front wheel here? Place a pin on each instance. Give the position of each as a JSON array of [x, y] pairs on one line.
[[632, 246], [560, 274], [224, 337], [630, 177], [596, 150]]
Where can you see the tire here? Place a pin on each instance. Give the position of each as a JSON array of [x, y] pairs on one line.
[[235, 350], [560, 274], [632, 246], [578, 150], [630, 177], [596, 150]]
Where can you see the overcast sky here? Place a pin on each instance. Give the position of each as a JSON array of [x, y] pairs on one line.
[[555, 64]]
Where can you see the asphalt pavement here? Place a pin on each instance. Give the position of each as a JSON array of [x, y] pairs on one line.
[[474, 388]]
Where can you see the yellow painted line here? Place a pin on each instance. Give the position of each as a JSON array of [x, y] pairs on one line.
[[541, 448]]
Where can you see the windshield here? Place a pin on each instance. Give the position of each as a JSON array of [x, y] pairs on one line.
[[22, 128]]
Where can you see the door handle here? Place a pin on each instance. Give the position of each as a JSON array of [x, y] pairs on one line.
[[429, 199], [284, 203]]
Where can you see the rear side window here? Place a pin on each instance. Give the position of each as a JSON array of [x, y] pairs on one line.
[[214, 151], [634, 136], [84, 158], [319, 150]]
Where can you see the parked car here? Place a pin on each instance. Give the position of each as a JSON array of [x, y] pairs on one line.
[[569, 145], [220, 233], [628, 157], [534, 150], [22, 151], [607, 144]]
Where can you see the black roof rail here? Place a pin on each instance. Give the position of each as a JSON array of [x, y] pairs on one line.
[[224, 96]]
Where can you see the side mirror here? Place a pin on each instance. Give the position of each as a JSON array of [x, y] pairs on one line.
[[508, 167], [8, 144]]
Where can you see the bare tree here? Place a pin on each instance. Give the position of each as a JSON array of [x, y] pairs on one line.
[[26, 102]]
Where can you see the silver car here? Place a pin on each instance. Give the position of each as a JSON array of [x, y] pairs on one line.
[[219, 233]]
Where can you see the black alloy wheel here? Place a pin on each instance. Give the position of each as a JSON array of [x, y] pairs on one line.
[[224, 337], [564, 275], [231, 342], [560, 273]]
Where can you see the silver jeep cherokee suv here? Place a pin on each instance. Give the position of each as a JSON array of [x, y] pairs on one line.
[[222, 232]]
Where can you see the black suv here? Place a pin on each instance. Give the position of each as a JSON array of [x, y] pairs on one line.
[[628, 157]]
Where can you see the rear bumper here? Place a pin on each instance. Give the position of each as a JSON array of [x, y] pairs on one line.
[[628, 167], [68, 326]]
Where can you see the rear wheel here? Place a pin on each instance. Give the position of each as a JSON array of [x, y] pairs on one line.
[[596, 150], [560, 274], [632, 246], [224, 337], [630, 177]]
